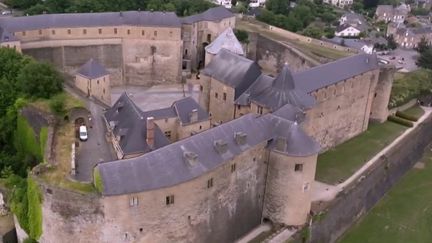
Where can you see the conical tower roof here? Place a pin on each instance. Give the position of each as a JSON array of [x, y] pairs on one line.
[[226, 40]]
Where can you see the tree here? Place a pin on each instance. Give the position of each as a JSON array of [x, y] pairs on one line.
[[425, 59], [313, 32], [278, 6], [391, 43], [39, 80], [242, 36], [423, 45]]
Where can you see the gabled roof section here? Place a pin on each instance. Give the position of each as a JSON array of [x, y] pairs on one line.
[[291, 113], [167, 167], [331, 73], [233, 70], [226, 40], [92, 69], [71, 20], [129, 122], [212, 14], [185, 107]]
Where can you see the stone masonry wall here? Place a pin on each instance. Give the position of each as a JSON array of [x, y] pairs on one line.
[[70, 216], [272, 55], [359, 197], [342, 110], [222, 110], [221, 213]]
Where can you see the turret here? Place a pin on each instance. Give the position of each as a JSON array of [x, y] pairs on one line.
[[291, 172]]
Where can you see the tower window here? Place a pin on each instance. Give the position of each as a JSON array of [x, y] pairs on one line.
[[224, 96], [169, 199], [216, 95], [298, 167], [69, 31], [233, 168], [142, 32], [84, 31], [115, 31], [210, 183], [100, 31], [201, 88], [53, 32], [133, 201], [128, 32], [40, 32]]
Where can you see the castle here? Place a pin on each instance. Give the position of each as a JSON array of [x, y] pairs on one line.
[[177, 179], [136, 47]]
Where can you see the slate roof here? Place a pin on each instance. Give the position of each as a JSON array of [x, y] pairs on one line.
[[226, 40], [212, 14], [135, 18], [233, 70], [343, 27], [167, 167], [6, 36], [92, 69], [278, 92], [131, 122], [184, 107], [291, 113], [327, 74]]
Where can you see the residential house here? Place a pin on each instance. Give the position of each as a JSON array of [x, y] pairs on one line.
[[388, 13], [339, 3]]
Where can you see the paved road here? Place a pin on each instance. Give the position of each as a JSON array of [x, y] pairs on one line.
[[409, 56], [96, 149]]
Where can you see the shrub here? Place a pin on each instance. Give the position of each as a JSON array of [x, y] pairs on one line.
[[400, 121], [98, 180], [406, 116], [57, 104]]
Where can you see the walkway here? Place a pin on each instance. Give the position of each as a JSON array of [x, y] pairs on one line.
[[254, 233], [325, 192]]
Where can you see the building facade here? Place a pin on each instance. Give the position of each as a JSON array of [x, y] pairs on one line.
[[136, 47], [93, 80]]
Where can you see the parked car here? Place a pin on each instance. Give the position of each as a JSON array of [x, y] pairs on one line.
[[6, 12], [83, 135]]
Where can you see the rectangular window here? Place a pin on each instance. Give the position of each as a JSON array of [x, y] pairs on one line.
[[115, 31], [133, 201], [142, 32], [84, 31], [233, 168], [224, 96], [23, 33], [40, 32], [100, 31], [69, 31], [201, 88], [128, 32], [260, 110], [168, 134], [216, 95], [210, 183], [298, 167], [155, 33], [53, 32], [169, 199]]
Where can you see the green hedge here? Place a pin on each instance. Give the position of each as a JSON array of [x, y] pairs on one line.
[[400, 121], [26, 204], [406, 116], [98, 180]]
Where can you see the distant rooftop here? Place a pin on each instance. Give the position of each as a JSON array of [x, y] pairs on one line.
[[212, 14], [92, 69], [71, 20], [226, 40]]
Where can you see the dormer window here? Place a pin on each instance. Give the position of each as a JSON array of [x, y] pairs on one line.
[[220, 146]]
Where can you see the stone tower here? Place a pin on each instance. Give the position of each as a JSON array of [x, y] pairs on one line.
[[379, 110], [292, 163]]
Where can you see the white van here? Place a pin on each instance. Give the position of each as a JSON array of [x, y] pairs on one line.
[[83, 135]]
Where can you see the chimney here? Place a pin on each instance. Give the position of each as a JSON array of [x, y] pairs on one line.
[[281, 144], [193, 116], [150, 126]]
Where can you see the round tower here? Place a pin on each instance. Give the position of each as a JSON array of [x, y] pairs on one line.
[[291, 172]]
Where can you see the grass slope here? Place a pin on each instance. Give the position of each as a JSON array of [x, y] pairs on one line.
[[342, 161], [403, 215]]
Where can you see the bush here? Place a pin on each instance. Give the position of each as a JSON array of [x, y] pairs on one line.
[[406, 116], [57, 104], [400, 121], [242, 36], [98, 180]]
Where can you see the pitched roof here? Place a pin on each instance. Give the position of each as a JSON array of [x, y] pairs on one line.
[[212, 14], [71, 20], [185, 107], [331, 73], [130, 123], [167, 166], [92, 69], [291, 113], [226, 40], [343, 27], [280, 91], [233, 70], [6, 36]]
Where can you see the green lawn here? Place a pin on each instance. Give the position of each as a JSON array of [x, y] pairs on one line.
[[409, 86], [404, 215], [342, 161], [415, 111]]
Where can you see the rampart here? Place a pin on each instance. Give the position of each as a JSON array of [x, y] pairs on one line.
[[360, 196]]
